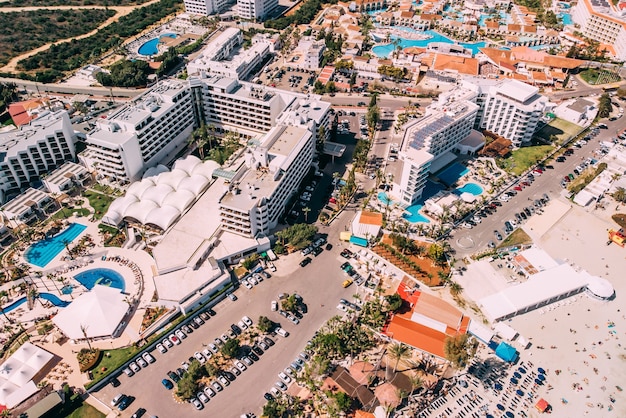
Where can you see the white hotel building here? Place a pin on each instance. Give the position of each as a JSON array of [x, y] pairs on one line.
[[206, 7], [257, 10], [150, 129], [601, 21], [446, 123], [33, 150], [273, 169], [509, 108]]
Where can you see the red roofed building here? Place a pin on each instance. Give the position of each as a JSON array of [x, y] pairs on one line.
[[24, 112], [426, 326]]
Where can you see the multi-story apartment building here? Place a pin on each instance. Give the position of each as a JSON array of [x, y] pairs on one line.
[[33, 150], [150, 129], [601, 21], [272, 172], [224, 56], [509, 108], [446, 123], [206, 7], [256, 9]]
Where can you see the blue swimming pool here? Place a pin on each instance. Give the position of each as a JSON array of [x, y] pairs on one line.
[[42, 252], [566, 18], [152, 46], [104, 277], [415, 216], [471, 188], [383, 51], [452, 173], [384, 199], [47, 296]]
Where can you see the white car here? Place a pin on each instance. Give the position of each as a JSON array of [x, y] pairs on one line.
[[284, 377], [167, 343], [161, 348], [213, 347], [242, 325], [342, 307], [246, 284], [252, 281], [141, 362], [196, 403], [280, 385], [274, 306], [206, 353], [148, 357], [198, 356], [209, 392], [274, 391], [134, 367], [504, 198], [240, 366], [247, 321], [282, 332], [467, 225], [180, 334], [203, 397]]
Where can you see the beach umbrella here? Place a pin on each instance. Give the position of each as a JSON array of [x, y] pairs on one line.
[[539, 382], [521, 370], [540, 370], [509, 414], [519, 392], [514, 381], [500, 407], [517, 375], [497, 386], [541, 377]]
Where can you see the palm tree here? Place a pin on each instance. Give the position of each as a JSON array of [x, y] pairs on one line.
[[83, 328], [399, 352], [620, 195], [455, 288], [306, 211]]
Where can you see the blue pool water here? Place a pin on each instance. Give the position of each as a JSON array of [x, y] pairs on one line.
[[384, 199], [104, 277], [151, 47], [452, 173], [42, 252], [415, 216], [47, 296], [564, 5], [383, 51], [471, 188], [68, 289], [566, 18]]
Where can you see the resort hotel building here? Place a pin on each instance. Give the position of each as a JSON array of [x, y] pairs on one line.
[[508, 108], [256, 9], [206, 7], [33, 150], [605, 22], [225, 56]]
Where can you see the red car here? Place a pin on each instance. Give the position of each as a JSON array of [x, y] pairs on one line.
[[538, 170], [518, 188], [566, 179], [525, 183]]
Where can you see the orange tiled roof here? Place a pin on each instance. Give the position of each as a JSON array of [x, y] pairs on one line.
[[430, 16], [518, 54], [463, 65], [433, 307], [371, 218], [511, 27], [492, 24], [19, 111], [416, 335]]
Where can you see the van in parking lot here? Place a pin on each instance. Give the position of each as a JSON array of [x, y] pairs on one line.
[[282, 332]]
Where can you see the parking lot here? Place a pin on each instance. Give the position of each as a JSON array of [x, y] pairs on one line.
[[319, 284]]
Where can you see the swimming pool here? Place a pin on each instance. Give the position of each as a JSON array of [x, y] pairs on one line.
[[383, 51], [384, 199], [152, 46], [566, 18], [452, 173], [42, 252], [471, 188], [415, 216], [101, 276], [47, 296]]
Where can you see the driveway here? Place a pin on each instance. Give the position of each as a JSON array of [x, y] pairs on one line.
[[319, 284]]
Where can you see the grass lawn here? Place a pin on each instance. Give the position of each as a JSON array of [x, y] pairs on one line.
[[65, 213], [111, 360], [74, 409], [99, 202], [523, 158], [559, 128], [517, 238], [593, 76]]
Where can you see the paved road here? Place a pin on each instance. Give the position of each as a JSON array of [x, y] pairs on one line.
[[548, 183], [319, 284], [384, 101]]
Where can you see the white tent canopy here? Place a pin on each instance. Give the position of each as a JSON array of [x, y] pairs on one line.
[[17, 372], [99, 311]]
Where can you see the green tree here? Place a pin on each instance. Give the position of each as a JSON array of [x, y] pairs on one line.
[[455, 288], [394, 302], [264, 324], [297, 236], [620, 195], [125, 74], [399, 352], [187, 387], [604, 106], [289, 304], [457, 350], [372, 117], [231, 348]]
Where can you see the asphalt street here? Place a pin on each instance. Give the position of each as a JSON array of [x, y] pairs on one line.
[[548, 182], [319, 284]]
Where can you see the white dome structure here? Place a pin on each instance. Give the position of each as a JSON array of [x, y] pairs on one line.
[[600, 288], [162, 196]]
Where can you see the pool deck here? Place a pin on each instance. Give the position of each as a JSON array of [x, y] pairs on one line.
[[118, 259]]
